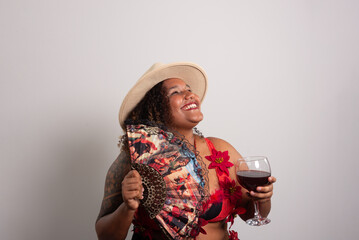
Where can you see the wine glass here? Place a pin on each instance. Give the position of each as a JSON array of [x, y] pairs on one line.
[[252, 172]]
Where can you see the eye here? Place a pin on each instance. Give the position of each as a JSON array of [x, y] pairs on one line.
[[174, 92]]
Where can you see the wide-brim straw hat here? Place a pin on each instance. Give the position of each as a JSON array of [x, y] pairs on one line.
[[190, 73]]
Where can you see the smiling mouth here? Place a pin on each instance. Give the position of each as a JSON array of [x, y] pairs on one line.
[[190, 106]]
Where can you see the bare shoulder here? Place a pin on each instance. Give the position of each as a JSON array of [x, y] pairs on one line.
[[113, 185], [219, 143], [223, 145]]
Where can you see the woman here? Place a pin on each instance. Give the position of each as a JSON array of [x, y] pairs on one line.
[[168, 96]]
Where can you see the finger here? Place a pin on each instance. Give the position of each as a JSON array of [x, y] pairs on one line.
[[272, 179], [131, 195], [258, 195], [135, 200], [133, 192], [133, 203], [264, 189], [133, 174], [131, 187], [131, 181]]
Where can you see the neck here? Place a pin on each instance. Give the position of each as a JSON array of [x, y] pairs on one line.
[[188, 134]]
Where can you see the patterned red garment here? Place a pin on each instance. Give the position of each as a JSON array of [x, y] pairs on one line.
[[229, 194]]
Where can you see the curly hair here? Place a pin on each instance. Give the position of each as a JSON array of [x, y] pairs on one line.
[[153, 107]]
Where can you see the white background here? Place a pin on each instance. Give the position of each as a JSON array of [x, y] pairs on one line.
[[283, 82]]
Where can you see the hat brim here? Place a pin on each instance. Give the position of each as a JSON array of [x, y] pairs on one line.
[[190, 73]]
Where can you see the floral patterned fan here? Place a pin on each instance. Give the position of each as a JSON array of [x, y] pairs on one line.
[[173, 181]]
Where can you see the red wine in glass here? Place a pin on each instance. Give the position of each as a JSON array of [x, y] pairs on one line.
[[251, 173], [251, 179]]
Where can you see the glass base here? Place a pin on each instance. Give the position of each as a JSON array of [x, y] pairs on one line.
[[258, 221]]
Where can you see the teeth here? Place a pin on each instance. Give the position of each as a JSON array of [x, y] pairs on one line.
[[193, 105]]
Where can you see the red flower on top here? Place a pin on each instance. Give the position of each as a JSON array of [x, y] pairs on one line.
[[233, 235], [198, 229], [219, 161], [216, 197], [231, 191], [234, 213]]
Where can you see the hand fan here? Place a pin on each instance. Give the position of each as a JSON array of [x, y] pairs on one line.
[[173, 181]]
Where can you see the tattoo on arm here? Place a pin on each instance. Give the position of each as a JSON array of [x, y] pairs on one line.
[[113, 196]]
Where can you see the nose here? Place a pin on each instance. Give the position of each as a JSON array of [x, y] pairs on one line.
[[189, 94]]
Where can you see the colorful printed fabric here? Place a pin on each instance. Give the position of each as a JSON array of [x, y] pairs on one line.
[[181, 172]]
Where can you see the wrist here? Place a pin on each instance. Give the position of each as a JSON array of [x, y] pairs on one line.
[[264, 201], [125, 210], [129, 209]]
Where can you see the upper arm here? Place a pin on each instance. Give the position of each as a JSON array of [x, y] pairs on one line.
[[112, 194]]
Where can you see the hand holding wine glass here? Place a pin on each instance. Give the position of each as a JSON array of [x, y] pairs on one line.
[[254, 172]]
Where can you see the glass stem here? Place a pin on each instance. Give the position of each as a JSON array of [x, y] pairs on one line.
[[256, 210]]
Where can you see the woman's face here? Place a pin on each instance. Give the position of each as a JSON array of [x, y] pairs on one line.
[[184, 104]]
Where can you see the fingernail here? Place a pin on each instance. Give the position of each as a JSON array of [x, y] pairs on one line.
[[259, 188]]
